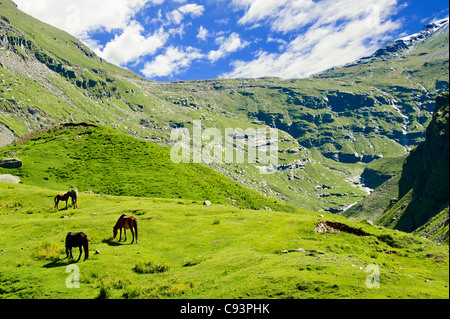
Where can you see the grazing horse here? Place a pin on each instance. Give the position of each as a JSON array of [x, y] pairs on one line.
[[77, 240], [74, 196], [62, 197], [126, 222]]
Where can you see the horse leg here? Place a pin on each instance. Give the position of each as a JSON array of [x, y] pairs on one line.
[[136, 231], [81, 250], [74, 203], [86, 250], [125, 233], [132, 232], [120, 237]]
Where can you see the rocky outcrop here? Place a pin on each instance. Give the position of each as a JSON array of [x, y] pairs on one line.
[[6, 135], [340, 101], [9, 178], [10, 163]]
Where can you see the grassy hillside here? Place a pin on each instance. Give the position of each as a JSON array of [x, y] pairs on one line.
[[186, 250], [106, 161], [436, 228], [374, 205]]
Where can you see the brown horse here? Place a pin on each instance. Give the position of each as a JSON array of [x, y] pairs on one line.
[[73, 194], [126, 222], [77, 240], [62, 197]]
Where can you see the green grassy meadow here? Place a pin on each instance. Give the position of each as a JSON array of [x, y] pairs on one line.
[[187, 250]]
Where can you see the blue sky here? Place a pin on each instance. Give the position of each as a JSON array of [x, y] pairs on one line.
[[169, 40]]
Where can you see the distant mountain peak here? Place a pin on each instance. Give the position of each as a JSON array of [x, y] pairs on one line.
[[404, 44], [397, 47], [426, 32]]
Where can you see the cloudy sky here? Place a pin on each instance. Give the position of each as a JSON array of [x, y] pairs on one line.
[[169, 40]]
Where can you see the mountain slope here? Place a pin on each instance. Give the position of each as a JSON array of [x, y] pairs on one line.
[[424, 183]]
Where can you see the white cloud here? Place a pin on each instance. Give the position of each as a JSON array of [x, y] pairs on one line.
[[227, 45], [177, 15], [281, 42], [257, 10], [172, 62], [202, 33], [193, 9], [328, 33], [81, 16], [132, 45]]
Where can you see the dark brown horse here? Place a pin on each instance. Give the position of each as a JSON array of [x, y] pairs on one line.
[[77, 240], [73, 194], [126, 222]]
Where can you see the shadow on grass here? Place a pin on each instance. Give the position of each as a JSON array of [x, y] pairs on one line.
[[112, 242], [60, 263]]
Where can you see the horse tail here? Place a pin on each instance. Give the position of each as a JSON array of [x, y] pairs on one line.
[[86, 248], [136, 229]]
